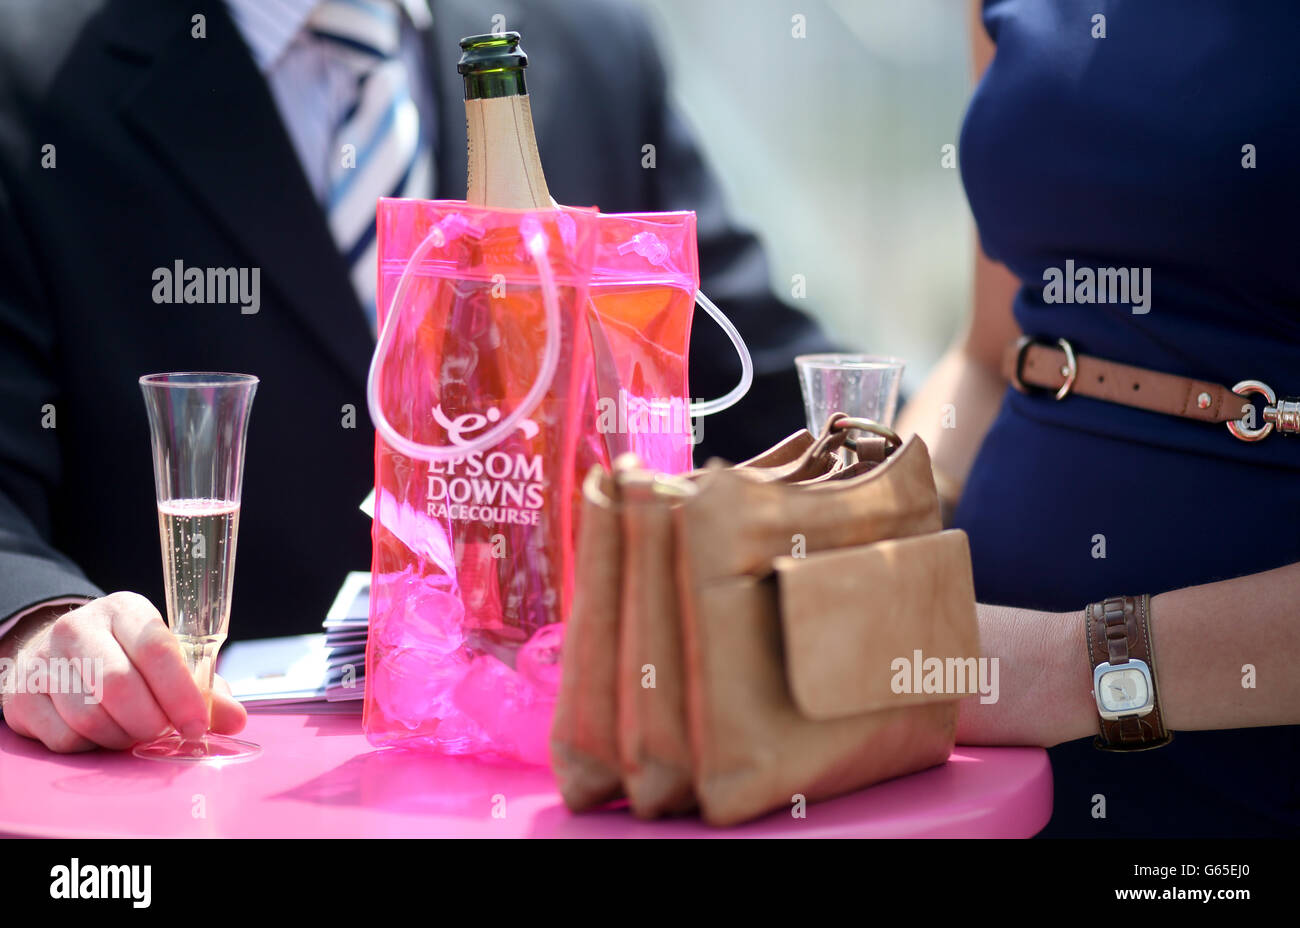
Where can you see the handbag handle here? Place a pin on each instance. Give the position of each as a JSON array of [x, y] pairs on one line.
[[737, 393], [536, 244]]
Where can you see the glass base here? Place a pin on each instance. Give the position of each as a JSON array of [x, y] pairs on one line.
[[210, 749]]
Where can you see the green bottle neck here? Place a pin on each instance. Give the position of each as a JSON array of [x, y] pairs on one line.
[[493, 66], [498, 82]]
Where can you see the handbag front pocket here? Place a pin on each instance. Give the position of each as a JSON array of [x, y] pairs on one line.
[[879, 626]]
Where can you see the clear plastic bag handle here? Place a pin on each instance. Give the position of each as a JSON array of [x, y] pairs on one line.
[[536, 244], [737, 393]]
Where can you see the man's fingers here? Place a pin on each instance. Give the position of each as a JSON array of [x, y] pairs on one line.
[[155, 653], [71, 677], [113, 683], [228, 715], [33, 715], [89, 720], [13, 720]]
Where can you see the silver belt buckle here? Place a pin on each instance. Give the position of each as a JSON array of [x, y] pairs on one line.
[[1070, 371]]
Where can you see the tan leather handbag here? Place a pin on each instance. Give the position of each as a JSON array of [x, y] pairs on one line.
[[735, 631], [585, 746]]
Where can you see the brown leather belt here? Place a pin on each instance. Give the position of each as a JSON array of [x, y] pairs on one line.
[[1031, 361]]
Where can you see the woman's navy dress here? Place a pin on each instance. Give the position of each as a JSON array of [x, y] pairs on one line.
[[1171, 144]]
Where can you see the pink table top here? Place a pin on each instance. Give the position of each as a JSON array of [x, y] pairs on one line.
[[319, 777]]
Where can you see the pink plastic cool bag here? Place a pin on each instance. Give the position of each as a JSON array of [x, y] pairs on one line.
[[516, 349]]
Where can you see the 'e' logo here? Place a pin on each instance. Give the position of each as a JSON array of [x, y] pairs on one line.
[[459, 429]]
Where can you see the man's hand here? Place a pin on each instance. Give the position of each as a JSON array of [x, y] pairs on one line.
[[141, 688]]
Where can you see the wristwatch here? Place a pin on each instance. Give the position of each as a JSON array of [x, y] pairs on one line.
[[1121, 652]]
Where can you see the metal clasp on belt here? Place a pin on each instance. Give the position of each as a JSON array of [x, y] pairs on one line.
[[1070, 370], [1284, 415]]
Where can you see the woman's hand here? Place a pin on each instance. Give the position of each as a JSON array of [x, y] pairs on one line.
[[108, 674]]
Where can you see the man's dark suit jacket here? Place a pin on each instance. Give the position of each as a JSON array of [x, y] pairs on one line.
[[170, 147]]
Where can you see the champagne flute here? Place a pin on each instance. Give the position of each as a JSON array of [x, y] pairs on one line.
[[198, 423]]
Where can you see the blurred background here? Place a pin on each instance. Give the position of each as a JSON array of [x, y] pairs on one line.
[[831, 148]]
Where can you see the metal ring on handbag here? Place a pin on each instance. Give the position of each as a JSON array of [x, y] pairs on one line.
[[852, 423]]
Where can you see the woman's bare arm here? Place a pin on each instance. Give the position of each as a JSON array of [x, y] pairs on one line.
[[958, 401], [1226, 655]]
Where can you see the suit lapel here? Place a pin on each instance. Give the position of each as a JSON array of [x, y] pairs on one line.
[[204, 111]]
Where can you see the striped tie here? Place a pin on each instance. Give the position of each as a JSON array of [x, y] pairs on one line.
[[382, 127]]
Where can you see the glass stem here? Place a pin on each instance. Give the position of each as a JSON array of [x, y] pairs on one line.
[[203, 663]]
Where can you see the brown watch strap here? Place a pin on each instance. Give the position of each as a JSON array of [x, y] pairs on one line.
[[1118, 631], [1038, 364]]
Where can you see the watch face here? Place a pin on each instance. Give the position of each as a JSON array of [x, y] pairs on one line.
[[1123, 690]]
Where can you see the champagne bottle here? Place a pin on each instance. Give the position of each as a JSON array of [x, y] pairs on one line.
[[511, 561], [504, 166]]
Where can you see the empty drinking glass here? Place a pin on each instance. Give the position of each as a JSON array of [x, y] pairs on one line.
[[862, 385]]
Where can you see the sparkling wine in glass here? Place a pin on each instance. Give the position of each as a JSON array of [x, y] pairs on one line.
[[198, 423]]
